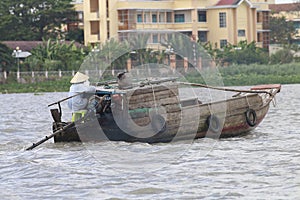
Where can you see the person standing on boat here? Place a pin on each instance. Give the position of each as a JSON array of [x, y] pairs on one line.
[[80, 84], [124, 80]]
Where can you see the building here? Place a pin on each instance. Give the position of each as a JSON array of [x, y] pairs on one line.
[[217, 21], [291, 12], [78, 6]]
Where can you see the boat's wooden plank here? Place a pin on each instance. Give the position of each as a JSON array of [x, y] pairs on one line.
[[137, 115], [150, 96], [149, 89], [265, 87], [194, 113], [142, 121], [165, 101], [155, 104]]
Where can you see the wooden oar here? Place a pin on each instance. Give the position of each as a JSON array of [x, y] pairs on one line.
[[224, 89], [65, 99], [50, 136]]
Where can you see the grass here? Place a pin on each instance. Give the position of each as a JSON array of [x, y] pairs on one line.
[[61, 85], [239, 75]]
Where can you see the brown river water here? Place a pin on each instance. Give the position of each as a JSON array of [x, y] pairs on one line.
[[264, 164]]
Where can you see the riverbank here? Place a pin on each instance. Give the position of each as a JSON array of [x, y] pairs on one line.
[[242, 75], [237, 75], [60, 85]]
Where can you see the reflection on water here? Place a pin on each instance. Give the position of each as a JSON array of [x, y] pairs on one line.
[[263, 164]]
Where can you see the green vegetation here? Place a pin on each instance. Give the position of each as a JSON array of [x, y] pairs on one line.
[[241, 64], [55, 55], [238, 75], [282, 30], [242, 53], [61, 85], [35, 19], [6, 60]]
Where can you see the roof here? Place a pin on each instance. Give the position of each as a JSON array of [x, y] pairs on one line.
[[287, 7], [227, 2], [23, 45], [231, 4]]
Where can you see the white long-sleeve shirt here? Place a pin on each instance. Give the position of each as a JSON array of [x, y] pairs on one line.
[[79, 102]]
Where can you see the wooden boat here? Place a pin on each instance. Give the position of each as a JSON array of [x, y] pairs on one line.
[[152, 112]]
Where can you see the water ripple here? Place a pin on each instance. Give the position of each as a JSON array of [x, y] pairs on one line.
[[261, 165]]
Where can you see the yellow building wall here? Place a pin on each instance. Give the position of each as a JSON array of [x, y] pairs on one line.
[[78, 6], [184, 4], [88, 17], [113, 18], [245, 22], [243, 17], [145, 4], [107, 21], [215, 33]]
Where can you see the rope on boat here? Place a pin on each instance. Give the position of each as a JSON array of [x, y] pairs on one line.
[[225, 89], [155, 103]]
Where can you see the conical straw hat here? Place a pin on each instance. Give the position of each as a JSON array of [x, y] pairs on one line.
[[79, 78]]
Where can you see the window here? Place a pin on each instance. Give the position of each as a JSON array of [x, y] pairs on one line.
[[201, 16], [94, 27], [222, 19], [154, 18], [123, 16], [107, 8], [259, 17], [241, 33], [139, 18], [223, 43], [108, 29], [80, 16], [94, 5], [163, 38], [259, 37], [202, 35], [162, 17], [179, 18], [169, 17], [297, 25], [155, 38]]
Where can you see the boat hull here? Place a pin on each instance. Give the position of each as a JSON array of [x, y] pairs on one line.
[[228, 118]]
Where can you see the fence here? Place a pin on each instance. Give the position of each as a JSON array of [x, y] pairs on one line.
[[38, 76], [34, 76], [181, 66]]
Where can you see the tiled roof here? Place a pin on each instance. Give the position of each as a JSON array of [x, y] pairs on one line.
[[288, 7], [227, 2], [23, 45]]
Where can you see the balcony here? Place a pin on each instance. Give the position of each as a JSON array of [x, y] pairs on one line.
[[160, 26]]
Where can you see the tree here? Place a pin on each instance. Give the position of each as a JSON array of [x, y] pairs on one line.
[[75, 34], [242, 53], [34, 19], [282, 30], [6, 59], [282, 56], [54, 55]]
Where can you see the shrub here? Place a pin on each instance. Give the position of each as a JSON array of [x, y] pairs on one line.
[[282, 56]]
